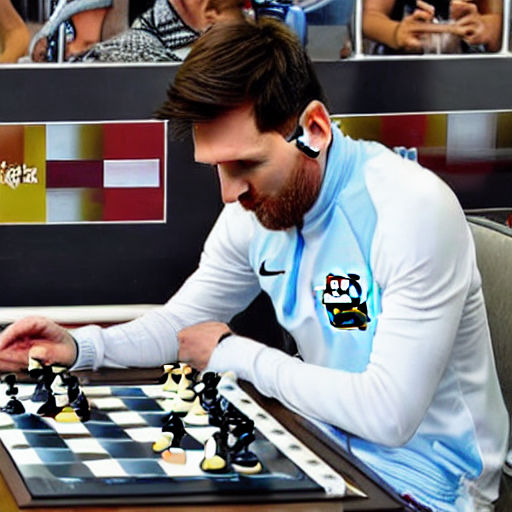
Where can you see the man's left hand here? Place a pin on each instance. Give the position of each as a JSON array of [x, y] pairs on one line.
[[197, 342]]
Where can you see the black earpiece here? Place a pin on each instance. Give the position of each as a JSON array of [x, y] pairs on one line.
[[302, 145]]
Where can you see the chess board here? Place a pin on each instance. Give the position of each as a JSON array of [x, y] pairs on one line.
[[109, 459]]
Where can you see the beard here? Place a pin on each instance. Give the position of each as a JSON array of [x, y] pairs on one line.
[[297, 195]]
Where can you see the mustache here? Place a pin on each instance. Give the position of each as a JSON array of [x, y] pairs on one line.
[[249, 201]]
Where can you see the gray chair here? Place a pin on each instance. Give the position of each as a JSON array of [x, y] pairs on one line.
[[493, 243]]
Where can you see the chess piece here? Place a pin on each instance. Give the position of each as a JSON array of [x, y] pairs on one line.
[[171, 377], [77, 400], [56, 400], [242, 460], [70, 398], [42, 374], [13, 406], [169, 445], [216, 455], [197, 415], [185, 386], [67, 415], [210, 399]]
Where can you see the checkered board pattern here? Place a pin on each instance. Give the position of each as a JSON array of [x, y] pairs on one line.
[[111, 454]]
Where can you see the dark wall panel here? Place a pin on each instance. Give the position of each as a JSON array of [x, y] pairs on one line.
[[101, 264]]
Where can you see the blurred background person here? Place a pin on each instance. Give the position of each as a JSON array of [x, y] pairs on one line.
[[162, 33], [410, 26], [14, 34]]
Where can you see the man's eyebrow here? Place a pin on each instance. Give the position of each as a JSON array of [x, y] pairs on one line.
[[248, 157]]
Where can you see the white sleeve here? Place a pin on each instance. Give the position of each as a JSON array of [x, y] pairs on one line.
[[423, 263], [223, 285]]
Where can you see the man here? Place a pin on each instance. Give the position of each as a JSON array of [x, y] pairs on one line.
[[368, 261]]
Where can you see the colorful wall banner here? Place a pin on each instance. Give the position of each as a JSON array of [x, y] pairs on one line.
[[58, 173]]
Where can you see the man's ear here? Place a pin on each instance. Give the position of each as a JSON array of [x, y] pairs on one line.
[[316, 125]]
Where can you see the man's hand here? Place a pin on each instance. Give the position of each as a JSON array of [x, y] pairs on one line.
[[35, 337], [197, 343]]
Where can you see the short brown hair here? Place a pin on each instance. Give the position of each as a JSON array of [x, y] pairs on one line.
[[239, 62]]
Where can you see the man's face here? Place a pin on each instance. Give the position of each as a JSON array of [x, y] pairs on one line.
[[267, 174]]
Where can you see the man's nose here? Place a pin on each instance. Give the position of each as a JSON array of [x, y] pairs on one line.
[[231, 187]]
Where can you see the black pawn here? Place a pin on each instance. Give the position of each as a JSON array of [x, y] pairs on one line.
[[81, 406], [40, 392], [13, 406], [174, 424]]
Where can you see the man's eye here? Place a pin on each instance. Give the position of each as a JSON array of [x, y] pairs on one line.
[[246, 165], [242, 164]]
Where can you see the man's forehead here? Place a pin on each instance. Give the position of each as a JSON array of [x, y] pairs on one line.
[[232, 136]]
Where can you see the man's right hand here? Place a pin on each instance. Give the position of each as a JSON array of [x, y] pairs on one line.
[[38, 338]]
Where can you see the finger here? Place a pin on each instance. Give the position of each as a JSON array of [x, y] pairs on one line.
[[421, 16], [19, 355], [462, 9], [24, 328], [431, 28], [425, 6], [466, 21], [9, 366]]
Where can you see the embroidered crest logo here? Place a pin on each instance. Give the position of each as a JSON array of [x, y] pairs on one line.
[[342, 300]]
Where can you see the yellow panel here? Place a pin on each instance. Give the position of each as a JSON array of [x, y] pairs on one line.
[[504, 132], [361, 127], [25, 199], [435, 135], [92, 205], [91, 142]]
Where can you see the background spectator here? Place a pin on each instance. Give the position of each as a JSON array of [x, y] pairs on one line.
[[14, 35], [409, 26]]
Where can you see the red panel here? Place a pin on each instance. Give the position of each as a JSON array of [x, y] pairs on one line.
[[127, 204], [74, 173], [404, 130], [11, 144], [133, 140]]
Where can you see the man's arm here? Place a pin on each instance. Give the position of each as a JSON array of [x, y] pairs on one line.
[[223, 285]]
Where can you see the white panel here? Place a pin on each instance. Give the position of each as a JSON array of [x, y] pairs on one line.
[[131, 173], [471, 136], [63, 141], [64, 204]]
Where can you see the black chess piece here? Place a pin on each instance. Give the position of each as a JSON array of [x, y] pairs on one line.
[[241, 458], [76, 398], [216, 454], [174, 424], [81, 406], [210, 399], [49, 407], [13, 406], [44, 376]]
